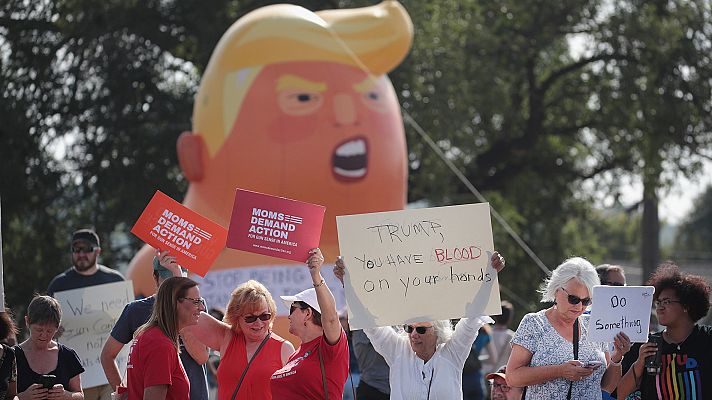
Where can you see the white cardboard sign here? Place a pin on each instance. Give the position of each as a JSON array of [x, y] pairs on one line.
[[620, 308], [88, 315], [418, 265]]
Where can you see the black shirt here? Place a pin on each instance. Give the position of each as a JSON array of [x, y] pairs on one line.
[[68, 366], [71, 279], [685, 372]]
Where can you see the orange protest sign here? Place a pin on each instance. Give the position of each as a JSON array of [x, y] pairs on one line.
[[194, 240]]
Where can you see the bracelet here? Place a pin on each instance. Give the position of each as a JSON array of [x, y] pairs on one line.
[[616, 364], [316, 285]]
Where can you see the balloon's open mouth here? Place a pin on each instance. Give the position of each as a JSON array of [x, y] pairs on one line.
[[350, 160]]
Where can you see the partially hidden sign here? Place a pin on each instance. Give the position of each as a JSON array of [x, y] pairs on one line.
[[274, 226], [418, 265], [620, 309], [194, 240], [89, 314]]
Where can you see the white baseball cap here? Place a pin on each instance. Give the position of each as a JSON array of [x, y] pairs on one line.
[[307, 296]]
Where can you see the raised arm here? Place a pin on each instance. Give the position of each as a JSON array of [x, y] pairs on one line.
[[197, 350], [329, 316], [209, 331]]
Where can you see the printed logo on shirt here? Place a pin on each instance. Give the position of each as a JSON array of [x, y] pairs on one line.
[[679, 378], [288, 369], [129, 365]]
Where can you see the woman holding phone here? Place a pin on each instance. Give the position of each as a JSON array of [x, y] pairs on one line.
[[46, 369], [543, 347]]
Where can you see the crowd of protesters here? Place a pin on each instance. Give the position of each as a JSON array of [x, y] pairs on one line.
[[549, 356]]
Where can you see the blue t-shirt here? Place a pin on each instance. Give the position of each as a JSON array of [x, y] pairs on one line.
[[136, 314]]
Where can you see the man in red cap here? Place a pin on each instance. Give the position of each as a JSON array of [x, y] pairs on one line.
[[500, 389]]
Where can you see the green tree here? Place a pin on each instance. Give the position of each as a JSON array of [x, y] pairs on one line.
[[694, 237]]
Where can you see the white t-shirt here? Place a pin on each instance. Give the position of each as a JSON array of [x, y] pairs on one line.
[[438, 379]]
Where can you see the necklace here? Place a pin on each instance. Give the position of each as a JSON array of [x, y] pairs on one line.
[[678, 344]]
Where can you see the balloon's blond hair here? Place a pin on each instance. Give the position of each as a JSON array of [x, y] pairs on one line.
[[375, 38]]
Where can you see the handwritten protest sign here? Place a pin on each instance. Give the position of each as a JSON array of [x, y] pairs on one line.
[[418, 265], [274, 226], [88, 315], [620, 308], [194, 240]]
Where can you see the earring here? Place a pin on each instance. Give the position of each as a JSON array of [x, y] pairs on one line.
[[305, 323]]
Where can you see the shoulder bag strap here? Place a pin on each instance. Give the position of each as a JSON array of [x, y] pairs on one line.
[[576, 351], [323, 374], [244, 372]]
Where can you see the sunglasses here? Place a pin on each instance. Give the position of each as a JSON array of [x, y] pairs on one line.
[[419, 329], [573, 300], [262, 317], [295, 306], [85, 250]]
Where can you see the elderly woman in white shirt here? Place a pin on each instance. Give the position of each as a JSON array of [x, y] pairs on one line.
[[426, 360]]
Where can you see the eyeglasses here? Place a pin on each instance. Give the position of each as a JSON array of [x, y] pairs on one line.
[[606, 283], [85, 250], [501, 386], [573, 300], [262, 317], [295, 306], [196, 302], [664, 302], [419, 329]]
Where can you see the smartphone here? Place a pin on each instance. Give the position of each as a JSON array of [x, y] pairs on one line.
[[47, 381], [592, 364], [652, 363]]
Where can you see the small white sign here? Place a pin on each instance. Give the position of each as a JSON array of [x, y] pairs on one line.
[[620, 309], [88, 316]]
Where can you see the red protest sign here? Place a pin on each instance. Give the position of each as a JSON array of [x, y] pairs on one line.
[[274, 226], [194, 240]]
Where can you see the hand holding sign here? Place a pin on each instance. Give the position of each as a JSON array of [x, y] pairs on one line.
[[195, 240]]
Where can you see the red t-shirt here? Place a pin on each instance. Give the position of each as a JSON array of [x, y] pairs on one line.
[[300, 378], [234, 361], [153, 360]]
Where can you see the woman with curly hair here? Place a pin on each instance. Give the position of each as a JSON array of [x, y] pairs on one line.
[[685, 371]]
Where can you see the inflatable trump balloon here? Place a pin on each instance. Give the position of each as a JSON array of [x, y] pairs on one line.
[[295, 104]]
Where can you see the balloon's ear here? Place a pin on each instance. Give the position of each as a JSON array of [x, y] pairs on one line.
[[190, 151]]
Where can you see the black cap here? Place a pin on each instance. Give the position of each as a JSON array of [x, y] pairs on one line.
[[87, 235]]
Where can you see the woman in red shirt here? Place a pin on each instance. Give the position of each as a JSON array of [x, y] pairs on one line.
[[321, 363], [154, 371], [245, 334]]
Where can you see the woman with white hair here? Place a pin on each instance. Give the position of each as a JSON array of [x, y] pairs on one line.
[[426, 360], [543, 347]]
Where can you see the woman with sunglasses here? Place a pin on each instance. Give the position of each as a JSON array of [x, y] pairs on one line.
[[685, 368], [319, 367], [245, 335], [542, 356], [426, 361], [154, 371]]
